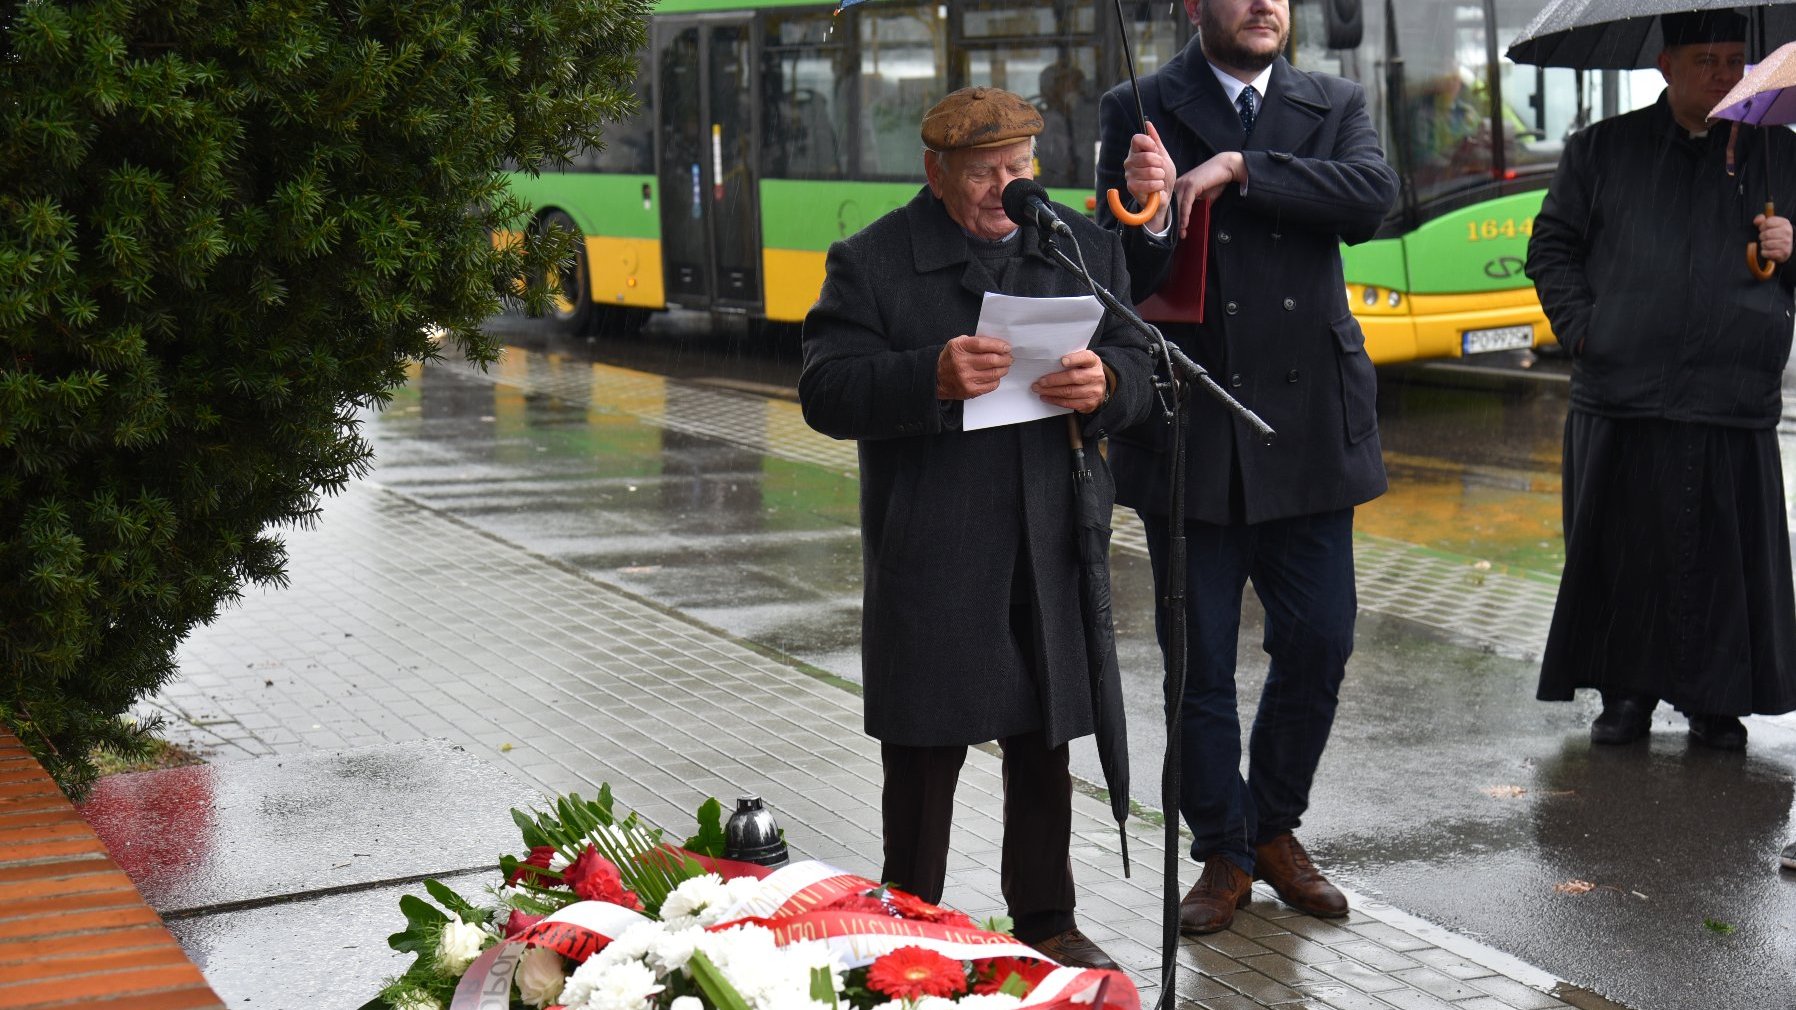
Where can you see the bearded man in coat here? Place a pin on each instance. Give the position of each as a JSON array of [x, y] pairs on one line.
[[1292, 167], [1677, 570], [972, 624]]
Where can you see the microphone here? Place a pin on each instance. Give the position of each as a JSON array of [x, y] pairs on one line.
[[1025, 202]]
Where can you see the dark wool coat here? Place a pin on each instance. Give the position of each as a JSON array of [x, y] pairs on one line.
[[1277, 332], [1638, 254], [955, 525]]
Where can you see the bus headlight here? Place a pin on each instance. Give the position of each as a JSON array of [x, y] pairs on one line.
[[1370, 295], [1394, 299]]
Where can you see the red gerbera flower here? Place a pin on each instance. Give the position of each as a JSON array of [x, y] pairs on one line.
[[914, 972], [538, 859], [595, 878], [995, 972]]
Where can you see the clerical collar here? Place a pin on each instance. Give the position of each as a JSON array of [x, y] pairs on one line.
[[1232, 86]]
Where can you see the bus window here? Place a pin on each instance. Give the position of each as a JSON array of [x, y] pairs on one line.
[[807, 74], [1154, 37], [902, 76], [1046, 53]]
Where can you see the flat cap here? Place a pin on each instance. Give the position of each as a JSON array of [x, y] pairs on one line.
[[1696, 27], [979, 117]]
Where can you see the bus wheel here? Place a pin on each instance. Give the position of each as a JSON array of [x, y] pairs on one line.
[[571, 311]]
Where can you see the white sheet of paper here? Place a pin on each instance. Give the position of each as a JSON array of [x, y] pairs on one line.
[[1041, 331]]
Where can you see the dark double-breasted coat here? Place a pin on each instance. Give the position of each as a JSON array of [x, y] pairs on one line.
[[960, 529], [1277, 332]]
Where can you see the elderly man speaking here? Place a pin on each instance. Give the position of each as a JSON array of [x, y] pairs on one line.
[[972, 629]]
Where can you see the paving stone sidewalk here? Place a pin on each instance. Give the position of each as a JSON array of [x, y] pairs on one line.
[[402, 623]]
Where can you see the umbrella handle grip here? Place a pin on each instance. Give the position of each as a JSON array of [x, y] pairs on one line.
[[1133, 219], [1762, 271]]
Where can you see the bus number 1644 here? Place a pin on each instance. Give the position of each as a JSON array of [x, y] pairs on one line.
[[1492, 228]]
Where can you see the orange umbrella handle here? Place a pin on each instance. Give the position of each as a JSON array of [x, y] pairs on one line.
[[1762, 271], [1133, 219]]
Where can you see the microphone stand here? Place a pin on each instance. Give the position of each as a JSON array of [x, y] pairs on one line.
[[1174, 410]]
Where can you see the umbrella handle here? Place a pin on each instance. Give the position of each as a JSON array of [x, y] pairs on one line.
[[1762, 271], [1133, 219]]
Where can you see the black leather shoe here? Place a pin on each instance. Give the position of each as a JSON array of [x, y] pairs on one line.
[[1721, 732], [1625, 719], [1075, 950]]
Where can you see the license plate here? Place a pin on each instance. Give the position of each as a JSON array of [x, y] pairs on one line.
[[1501, 338]]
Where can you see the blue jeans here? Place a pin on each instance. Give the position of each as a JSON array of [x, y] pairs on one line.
[[1302, 571]]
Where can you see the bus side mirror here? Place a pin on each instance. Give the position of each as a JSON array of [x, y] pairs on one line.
[[1344, 23]]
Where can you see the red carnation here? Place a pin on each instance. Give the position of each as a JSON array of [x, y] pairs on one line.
[[595, 878], [995, 972], [520, 921], [539, 860], [913, 972]]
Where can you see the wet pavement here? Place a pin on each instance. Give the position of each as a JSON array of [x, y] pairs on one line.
[[1447, 791]]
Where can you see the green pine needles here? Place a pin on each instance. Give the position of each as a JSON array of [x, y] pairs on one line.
[[225, 229]]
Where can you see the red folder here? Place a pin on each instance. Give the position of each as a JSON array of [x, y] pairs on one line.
[[1180, 297]]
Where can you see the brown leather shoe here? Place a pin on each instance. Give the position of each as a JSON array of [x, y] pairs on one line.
[[1282, 863], [1210, 904], [1075, 950]]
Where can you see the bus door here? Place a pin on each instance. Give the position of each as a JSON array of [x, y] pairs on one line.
[[709, 147]]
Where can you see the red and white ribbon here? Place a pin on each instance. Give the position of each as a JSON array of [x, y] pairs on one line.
[[577, 931], [1066, 988]]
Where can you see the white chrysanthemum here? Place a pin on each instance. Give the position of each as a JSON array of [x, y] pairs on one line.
[[769, 977], [686, 1003], [934, 1003], [670, 949], [809, 954], [541, 977], [896, 1004], [989, 1001], [632, 946], [417, 1001], [459, 945], [742, 889], [693, 896], [625, 986]]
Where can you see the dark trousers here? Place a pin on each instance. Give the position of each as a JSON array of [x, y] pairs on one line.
[[1302, 571], [1036, 875]]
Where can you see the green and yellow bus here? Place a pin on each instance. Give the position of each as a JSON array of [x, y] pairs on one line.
[[771, 129]]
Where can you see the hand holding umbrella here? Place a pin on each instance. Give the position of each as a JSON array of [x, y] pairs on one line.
[[1766, 96]]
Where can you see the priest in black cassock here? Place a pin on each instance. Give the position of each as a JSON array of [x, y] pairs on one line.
[[1677, 583]]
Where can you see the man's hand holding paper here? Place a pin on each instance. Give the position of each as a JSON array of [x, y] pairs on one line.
[[1050, 371]]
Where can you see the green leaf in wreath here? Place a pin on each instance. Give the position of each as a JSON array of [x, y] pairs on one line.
[[455, 902], [823, 984], [1014, 986], [709, 841], [423, 924], [711, 982], [533, 835]]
